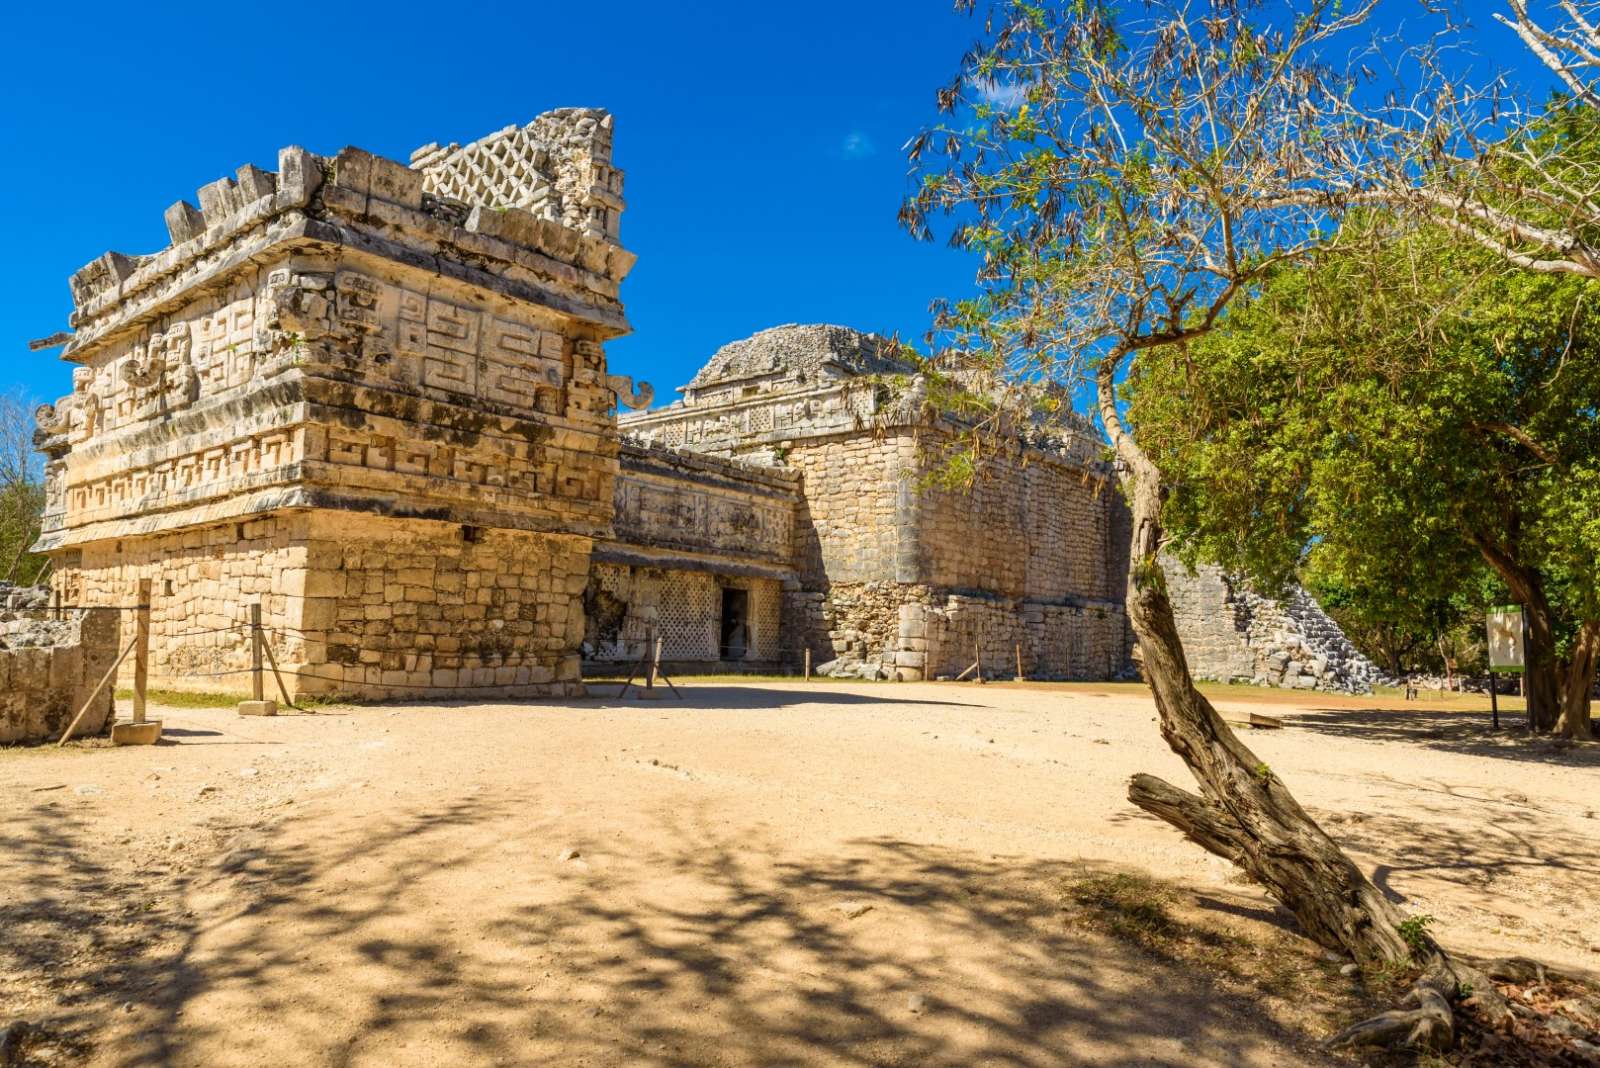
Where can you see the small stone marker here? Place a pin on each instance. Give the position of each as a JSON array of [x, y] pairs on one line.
[[130, 733], [258, 708]]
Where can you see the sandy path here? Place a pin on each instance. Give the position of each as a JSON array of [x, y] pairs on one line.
[[768, 874]]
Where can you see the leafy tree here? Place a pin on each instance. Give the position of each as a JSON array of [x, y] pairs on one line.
[[21, 493], [1405, 622], [1407, 413]]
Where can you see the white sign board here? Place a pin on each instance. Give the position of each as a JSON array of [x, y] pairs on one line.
[[1505, 639]]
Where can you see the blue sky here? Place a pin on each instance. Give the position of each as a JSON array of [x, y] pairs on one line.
[[761, 141]]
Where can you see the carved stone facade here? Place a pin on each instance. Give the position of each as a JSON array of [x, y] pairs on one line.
[[372, 397]]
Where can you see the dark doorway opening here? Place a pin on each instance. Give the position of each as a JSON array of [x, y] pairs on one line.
[[735, 623]]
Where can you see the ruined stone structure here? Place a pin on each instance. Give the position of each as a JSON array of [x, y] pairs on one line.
[[1233, 634], [50, 666], [887, 574], [372, 397]]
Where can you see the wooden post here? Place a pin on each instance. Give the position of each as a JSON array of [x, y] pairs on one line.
[[1494, 701], [257, 689], [977, 660], [808, 663], [272, 662], [1020, 677], [141, 649], [97, 690], [655, 664], [56, 602]]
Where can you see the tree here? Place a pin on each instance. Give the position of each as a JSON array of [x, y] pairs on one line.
[[1124, 176], [1533, 201], [1403, 618], [1409, 411], [21, 493]]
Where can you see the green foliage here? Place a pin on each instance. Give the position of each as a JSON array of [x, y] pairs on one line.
[[21, 493], [1376, 419], [1414, 930]]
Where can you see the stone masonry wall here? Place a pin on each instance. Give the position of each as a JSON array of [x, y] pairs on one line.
[[625, 605], [1232, 634], [202, 581], [416, 608], [49, 668], [855, 519]]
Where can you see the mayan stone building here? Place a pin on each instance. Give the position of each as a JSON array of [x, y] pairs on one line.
[[371, 397], [887, 574]]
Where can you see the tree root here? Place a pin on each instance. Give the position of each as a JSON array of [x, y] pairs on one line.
[[1426, 1018], [1429, 1023]]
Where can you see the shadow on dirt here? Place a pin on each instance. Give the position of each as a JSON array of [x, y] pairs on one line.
[[1470, 733], [452, 930]]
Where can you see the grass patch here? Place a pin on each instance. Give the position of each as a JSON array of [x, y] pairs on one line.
[[185, 699], [1254, 964], [182, 699]]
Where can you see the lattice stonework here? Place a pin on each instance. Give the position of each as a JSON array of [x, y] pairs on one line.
[[687, 616], [507, 170], [766, 606]]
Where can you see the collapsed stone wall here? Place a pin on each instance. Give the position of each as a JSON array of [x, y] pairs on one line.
[[1233, 634], [49, 667]]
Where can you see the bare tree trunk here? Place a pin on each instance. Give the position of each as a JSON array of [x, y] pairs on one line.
[[1244, 812]]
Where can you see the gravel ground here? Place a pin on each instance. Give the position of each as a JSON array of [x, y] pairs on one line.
[[761, 874]]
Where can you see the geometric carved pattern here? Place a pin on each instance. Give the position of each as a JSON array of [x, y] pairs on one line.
[[502, 171], [686, 616]]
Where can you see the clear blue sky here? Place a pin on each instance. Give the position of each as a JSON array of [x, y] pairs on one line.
[[761, 141]]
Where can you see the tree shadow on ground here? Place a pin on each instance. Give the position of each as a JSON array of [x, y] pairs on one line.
[[1469, 733], [452, 934]]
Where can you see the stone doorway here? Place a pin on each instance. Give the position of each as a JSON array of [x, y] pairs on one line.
[[735, 643]]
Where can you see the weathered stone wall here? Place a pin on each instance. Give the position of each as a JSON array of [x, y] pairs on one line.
[[1032, 524], [423, 607], [1232, 634], [202, 581], [908, 632], [856, 518], [673, 502], [49, 668]]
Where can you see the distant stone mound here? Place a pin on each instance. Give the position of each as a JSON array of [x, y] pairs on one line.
[[1233, 634]]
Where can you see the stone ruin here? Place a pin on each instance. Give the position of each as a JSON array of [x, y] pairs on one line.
[[1233, 634], [373, 398], [50, 665], [885, 574]]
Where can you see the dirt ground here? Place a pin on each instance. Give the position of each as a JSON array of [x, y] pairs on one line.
[[762, 874]]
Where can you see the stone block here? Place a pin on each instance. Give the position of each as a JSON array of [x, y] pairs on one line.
[[130, 733], [258, 708], [184, 222]]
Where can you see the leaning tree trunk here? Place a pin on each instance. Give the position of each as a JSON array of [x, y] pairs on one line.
[[1246, 814]]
